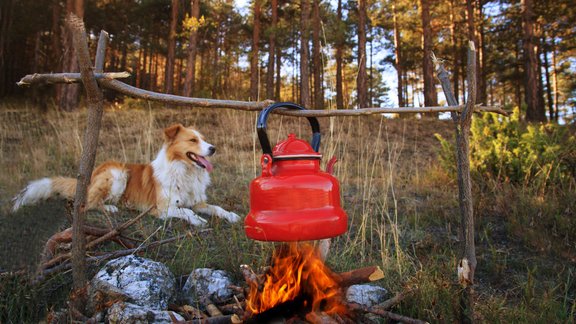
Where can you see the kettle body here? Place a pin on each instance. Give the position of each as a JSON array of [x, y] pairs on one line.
[[293, 199]]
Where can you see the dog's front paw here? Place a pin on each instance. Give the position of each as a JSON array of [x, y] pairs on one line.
[[193, 219], [111, 209], [231, 217]]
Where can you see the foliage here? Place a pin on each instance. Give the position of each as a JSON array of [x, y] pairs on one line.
[[508, 150]]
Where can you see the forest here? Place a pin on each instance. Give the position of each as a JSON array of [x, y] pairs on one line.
[[400, 173], [325, 54]]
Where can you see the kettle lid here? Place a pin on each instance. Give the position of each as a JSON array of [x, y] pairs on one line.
[[294, 148]]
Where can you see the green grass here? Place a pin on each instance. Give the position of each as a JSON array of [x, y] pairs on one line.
[[402, 207]]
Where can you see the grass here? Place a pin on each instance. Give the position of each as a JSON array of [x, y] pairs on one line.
[[402, 207]]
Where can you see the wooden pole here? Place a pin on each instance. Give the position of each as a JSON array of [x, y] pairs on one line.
[[108, 80], [462, 122], [90, 143]]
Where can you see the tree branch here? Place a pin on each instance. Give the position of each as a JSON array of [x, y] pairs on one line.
[[53, 78]]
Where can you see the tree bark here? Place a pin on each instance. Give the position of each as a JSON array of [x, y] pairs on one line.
[[547, 76], [278, 75], [271, 51], [554, 76], [169, 72], [398, 57], [95, 112], [455, 55], [254, 66], [430, 95], [481, 59], [534, 111], [192, 50], [69, 95], [304, 54], [316, 58], [339, 49], [361, 81]]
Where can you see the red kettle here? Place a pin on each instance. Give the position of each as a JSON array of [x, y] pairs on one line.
[[293, 200]]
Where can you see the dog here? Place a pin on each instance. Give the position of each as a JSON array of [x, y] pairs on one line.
[[173, 184]]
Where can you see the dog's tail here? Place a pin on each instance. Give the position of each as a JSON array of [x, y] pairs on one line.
[[43, 189]]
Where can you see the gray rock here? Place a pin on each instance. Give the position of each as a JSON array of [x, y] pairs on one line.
[[210, 283], [136, 280], [127, 313], [366, 295]]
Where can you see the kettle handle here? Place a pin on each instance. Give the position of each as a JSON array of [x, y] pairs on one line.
[[261, 126]]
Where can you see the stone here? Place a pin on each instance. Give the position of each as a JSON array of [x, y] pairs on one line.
[[204, 282], [366, 295], [128, 313], [135, 280]]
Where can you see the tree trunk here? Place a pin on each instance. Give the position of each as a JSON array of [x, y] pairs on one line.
[[361, 82], [547, 76], [271, 51], [430, 95], [169, 73], [554, 76], [398, 57], [254, 65], [304, 54], [339, 50], [6, 20], [316, 58], [55, 47], [69, 94], [534, 111], [192, 50], [455, 55], [278, 75], [481, 60]]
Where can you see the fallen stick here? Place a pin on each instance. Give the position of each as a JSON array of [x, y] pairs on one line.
[[116, 231], [384, 313], [107, 236], [104, 257], [187, 311], [362, 275], [224, 319], [397, 299], [211, 309]]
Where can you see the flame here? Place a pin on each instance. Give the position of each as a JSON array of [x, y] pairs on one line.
[[297, 270]]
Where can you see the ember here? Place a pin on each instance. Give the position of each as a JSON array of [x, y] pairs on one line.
[[300, 279]]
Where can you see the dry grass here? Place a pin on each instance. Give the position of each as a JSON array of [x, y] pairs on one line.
[[402, 206]]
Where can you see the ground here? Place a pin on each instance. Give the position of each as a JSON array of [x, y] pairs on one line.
[[402, 207]]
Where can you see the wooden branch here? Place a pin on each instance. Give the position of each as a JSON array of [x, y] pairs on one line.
[[95, 111], [211, 309], [104, 257], [384, 313], [223, 319], [111, 83], [101, 52], [69, 78], [397, 299], [362, 275], [180, 100], [117, 230]]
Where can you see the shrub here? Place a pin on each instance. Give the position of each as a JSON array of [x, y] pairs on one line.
[[505, 149]]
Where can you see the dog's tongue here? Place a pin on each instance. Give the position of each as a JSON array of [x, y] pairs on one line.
[[205, 163]]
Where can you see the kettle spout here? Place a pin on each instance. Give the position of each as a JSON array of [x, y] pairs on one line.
[[330, 165]]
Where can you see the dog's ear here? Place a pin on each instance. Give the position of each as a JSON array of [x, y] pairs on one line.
[[171, 131]]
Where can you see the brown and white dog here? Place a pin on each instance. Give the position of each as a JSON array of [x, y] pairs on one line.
[[174, 184]]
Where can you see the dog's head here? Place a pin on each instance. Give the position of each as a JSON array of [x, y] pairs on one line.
[[188, 145]]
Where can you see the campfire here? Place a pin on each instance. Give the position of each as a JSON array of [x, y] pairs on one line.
[[297, 284]]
